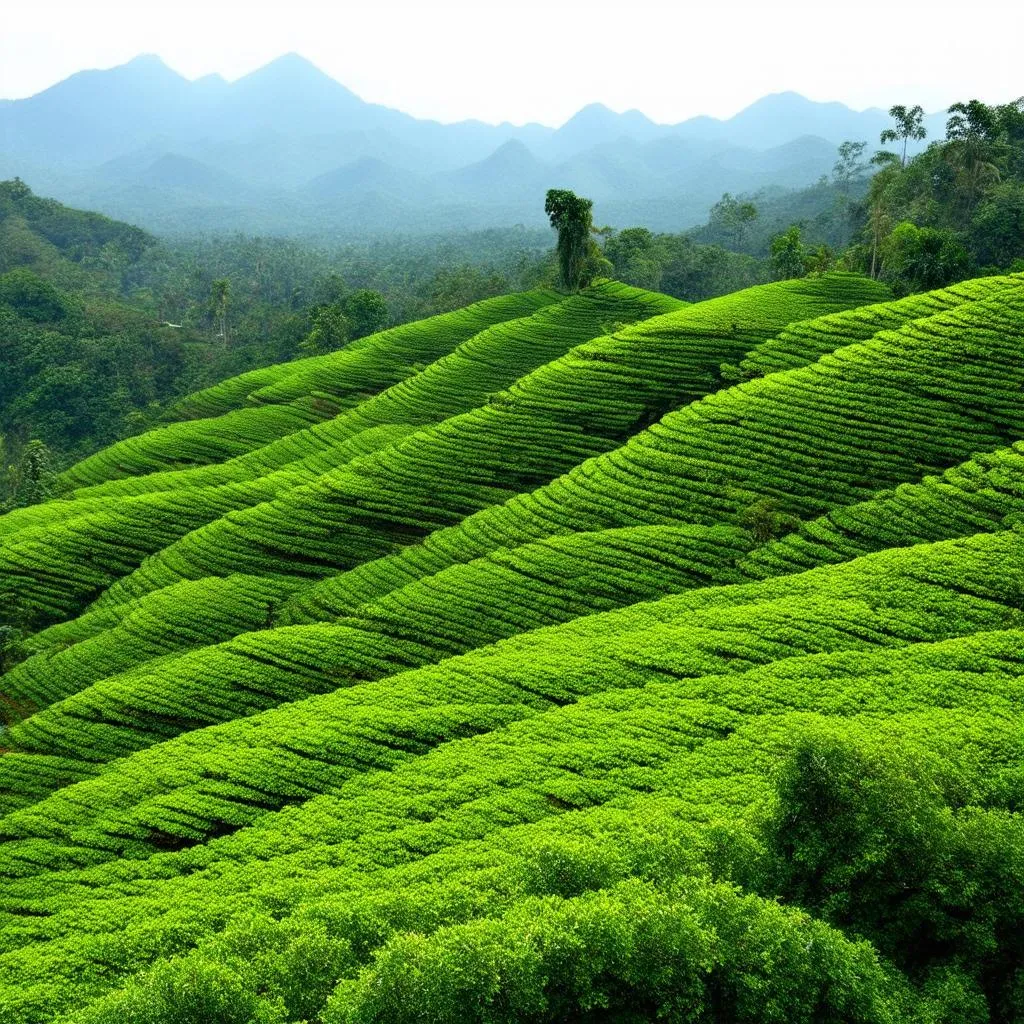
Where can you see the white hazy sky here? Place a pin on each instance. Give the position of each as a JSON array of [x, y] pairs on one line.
[[529, 60]]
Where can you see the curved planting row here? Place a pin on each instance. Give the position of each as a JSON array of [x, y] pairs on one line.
[[64, 534], [549, 421], [101, 644], [192, 442], [630, 744], [362, 368], [202, 783], [541, 584], [106, 695], [70, 551], [794, 444], [464, 378], [806, 342], [981, 495]]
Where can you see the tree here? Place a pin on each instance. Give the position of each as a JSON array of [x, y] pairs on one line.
[[922, 259], [31, 297], [14, 189], [997, 227], [366, 312], [35, 475], [635, 257], [220, 291], [331, 329], [878, 224], [864, 834], [850, 166], [579, 259], [909, 125], [764, 521], [975, 147], [733, 216], [788, 254]]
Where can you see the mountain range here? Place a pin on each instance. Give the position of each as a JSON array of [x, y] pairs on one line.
[[289, 149]]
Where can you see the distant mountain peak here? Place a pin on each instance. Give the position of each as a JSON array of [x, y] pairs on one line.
[[150, 65], [145, 59], [511, 154], [291, 66]]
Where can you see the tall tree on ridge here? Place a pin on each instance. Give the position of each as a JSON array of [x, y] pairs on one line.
[[909, 125], [571, 216]]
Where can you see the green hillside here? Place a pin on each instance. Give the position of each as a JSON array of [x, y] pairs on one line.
[[600, 657]]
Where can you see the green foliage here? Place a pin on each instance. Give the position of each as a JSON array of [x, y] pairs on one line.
[[909, 125], [953, 209], [702, 953], [579, 259], [366, 312], [354, 316], [788, 255], [31, 297], [331, 329], [764, 521], [866, 838], [922, 259], [678, 265], [187, 992], [850, 166], [733, 216]]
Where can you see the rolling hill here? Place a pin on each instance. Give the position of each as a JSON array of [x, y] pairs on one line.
[[597, 657]]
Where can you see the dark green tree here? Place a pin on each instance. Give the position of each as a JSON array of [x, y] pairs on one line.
[[35, 475], [331, 330], [909, 125], [975, 147], [31, 297], [921, 259], [788, 254], [733, 217], [636, 257], [578, 256], [867, 835], [366, 312]]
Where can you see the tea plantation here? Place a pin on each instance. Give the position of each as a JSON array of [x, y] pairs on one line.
[[594, 658]]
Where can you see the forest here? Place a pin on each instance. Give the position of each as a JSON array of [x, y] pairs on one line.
[[586, 624]]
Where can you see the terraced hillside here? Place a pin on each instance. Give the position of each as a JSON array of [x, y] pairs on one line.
[[594, 658]]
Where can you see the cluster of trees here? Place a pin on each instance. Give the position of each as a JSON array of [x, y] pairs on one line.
[[953, 211], [670, 263]]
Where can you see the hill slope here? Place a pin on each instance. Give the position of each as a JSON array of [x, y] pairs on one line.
[[498, 667]]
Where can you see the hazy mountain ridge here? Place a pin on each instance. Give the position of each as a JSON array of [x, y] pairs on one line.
[[289, 149]]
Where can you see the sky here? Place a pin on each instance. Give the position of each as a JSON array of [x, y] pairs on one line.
[[530, 60]]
